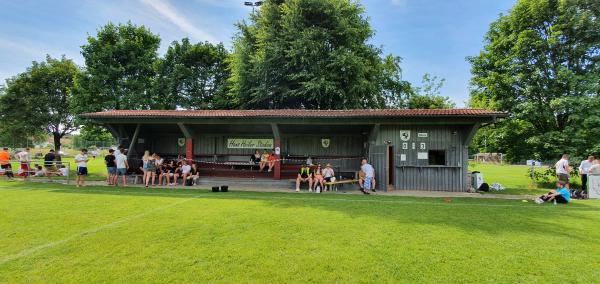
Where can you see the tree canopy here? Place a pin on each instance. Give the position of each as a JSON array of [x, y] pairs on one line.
[[190, 76], [119, 68], [428, 95], [39, 100], [541, 63], [312, 54]]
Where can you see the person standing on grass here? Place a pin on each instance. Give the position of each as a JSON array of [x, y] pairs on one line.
[[368, 183], [122, 166], [23, 158], [150, 170], [5, 163], [49, 163], [111, 166], [584, 170], [81, 161], [562, 169]]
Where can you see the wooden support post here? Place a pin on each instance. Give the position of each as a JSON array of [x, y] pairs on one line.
[[133, 141], [189, 149], [277, 146], [470, 134], [189, 141]]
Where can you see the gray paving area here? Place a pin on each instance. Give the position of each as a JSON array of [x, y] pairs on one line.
[[287, 186]]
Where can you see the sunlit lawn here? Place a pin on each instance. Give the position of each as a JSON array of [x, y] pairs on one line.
[[514, 178], [60, 234]]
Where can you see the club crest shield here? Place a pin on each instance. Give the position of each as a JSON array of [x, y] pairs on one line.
[[325, 142], [404, 135]]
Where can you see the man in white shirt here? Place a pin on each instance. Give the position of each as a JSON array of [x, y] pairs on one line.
[[562, 169], [81, 161], [122, 166], [369, 183], [186, 169], [584, 170]]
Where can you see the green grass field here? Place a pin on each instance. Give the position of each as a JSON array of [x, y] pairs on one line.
[[515, 178], [60, 234]]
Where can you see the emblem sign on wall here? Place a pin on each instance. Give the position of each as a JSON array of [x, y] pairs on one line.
[[325, 142]]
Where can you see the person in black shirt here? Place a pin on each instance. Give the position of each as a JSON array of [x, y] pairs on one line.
[[49, 161], [111, 167], [168, 172]]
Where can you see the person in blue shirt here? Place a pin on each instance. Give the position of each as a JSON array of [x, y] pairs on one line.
[[561, 194]]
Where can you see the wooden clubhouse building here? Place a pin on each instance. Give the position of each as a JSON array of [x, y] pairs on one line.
[[410, 149]]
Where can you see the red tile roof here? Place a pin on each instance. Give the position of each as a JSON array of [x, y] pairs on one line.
[[295, 113]]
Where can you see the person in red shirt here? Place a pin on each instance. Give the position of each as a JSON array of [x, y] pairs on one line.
[[272, 158], [5, 163]]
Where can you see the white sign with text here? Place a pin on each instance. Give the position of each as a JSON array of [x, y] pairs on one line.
[[249, 143]]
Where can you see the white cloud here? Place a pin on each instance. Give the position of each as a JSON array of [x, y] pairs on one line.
[[399, 3], [179, 20], [224, 3], [12, 46]]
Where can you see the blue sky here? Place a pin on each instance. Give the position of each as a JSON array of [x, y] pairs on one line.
[[432, 36]]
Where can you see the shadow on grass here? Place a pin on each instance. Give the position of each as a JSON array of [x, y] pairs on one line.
[[491, 216]]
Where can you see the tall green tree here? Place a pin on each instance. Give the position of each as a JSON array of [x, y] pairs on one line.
[[541, 63], [307, 53], [119, 68], [190, 76], [428, 95], [39, 100]]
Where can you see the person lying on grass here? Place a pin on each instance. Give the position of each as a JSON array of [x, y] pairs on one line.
[[560, 195]]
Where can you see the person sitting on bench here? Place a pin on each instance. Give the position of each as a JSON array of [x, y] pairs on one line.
[[328, 174], [318, 179], [560, 195], [272, 159], [304, 175], [264, 161], [255, 158]]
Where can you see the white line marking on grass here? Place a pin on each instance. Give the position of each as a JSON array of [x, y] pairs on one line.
[[30, 251]]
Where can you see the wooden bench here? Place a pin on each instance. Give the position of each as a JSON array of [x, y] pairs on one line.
[[333, 185], [240, 161], [134, 178]]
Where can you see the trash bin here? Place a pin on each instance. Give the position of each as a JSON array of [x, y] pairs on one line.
[[476, 179]]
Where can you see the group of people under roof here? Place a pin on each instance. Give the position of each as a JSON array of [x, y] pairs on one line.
[[154, 169], [264, 160], [318, 177]]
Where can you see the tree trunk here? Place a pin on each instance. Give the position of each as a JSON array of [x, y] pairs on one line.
[[56, 137]]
